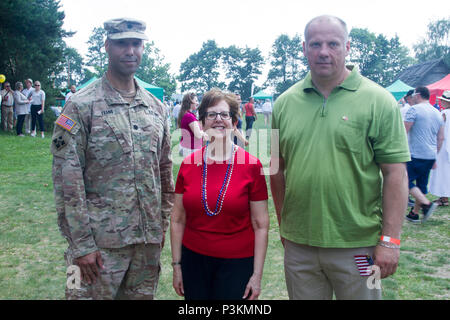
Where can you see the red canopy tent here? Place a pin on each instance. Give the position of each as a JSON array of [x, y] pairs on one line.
[[437, 88]]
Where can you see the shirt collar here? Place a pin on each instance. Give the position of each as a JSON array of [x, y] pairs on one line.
[[351, 83], [113, 97]]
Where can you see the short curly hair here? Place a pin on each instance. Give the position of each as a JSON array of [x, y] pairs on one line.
[[212, 98]]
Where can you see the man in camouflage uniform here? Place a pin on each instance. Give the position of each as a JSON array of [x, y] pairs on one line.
[[112, 174]]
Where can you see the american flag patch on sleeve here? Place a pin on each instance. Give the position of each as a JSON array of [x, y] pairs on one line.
[[363, 263], [65, 122]]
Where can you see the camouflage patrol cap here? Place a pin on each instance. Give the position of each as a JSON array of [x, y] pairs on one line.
[[125, 28]]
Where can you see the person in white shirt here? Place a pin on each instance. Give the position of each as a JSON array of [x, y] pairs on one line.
[[267, 111], [37, 108], [440, 173], [27, 93], [21, 107], [73, 89]]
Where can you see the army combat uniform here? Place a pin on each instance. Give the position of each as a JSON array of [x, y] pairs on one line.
[[113, 184]]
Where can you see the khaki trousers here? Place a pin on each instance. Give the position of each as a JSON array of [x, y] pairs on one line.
[[7, 118], [131, 273], [27, 123], [314, 273]]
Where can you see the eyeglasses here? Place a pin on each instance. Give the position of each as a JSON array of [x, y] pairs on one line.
[[225, 115], [37, 85]]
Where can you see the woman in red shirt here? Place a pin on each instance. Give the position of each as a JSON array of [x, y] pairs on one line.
[[220, 220]]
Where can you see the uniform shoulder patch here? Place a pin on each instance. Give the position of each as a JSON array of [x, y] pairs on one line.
[[65, 122], [59, 143]]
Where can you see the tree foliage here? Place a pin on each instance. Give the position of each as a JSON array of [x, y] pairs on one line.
[[73, 70], [96, 56], [288, 65], [154, 70], [242, 67], [31, 38], [436, 44], [378, 58], [200, 72], [231, 68]]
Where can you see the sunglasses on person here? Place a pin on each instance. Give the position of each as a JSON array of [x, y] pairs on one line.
[[224, 115]]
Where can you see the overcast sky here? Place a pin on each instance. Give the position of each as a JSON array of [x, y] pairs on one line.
[[179, 27]]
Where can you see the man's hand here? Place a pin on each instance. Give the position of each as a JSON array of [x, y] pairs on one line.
[[89, 266], [386, 259]]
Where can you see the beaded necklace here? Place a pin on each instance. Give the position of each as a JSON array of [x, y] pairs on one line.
[[223, 189]]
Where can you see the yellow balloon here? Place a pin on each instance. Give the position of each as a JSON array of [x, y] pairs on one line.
[[2, 78]]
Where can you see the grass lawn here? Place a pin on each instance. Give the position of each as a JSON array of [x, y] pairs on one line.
[[32, 249]]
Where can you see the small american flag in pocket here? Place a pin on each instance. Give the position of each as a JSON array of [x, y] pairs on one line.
[[363, 262]]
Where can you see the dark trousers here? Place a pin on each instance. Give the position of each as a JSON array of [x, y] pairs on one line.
[[209, 278], [35, 116], [419, 171], [239, 127], [249, 125], [20, 121], [249, 122]]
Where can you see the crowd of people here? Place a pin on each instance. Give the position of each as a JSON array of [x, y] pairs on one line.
[[23, 107], [339, 180]]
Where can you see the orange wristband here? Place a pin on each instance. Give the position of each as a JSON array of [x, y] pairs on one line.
[[391, 240]]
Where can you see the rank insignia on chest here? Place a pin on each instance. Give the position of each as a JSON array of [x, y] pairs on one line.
[[59, 143], [65, 122]]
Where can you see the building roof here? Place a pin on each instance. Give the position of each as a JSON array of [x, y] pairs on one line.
[[424, 73]]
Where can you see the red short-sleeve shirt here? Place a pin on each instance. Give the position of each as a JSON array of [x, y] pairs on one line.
[[230, 233], [188, 140], [249, 109]]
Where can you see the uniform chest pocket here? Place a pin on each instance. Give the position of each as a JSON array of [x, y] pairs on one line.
[[152, 129], [349, 136], [109, 140]]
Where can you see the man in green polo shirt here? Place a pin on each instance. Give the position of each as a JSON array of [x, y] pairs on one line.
[[342, 185]]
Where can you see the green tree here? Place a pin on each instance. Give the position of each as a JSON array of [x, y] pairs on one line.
[[436, 44], [96, 56], [201, 70], [31, 40], [154, 70], [242, 66], [397, 60], [363, 50], [32, 46], [288, 65], [378, 58], [73, 69]]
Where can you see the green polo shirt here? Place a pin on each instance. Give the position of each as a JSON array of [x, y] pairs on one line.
[[332, 149]]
